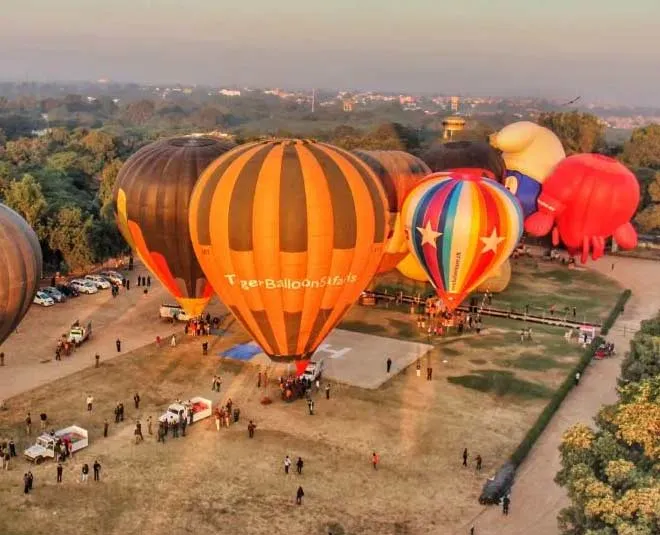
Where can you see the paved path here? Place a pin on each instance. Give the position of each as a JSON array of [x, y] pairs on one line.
[[536, 499]]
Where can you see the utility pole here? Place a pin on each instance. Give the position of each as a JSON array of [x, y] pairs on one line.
[[313, 99]]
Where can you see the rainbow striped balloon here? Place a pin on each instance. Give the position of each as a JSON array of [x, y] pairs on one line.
[[461, 226]]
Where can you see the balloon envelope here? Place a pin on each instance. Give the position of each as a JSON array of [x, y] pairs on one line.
[[409, 267], [152, 193], [289, 233], [20, 269], [460, 227], [498, 281], [398, 172]]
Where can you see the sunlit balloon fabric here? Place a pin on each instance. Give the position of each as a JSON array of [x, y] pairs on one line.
[[20, 269], [398, 172], [409, 267], [498, 281], [151, 195], [461, 227], [289, 233]]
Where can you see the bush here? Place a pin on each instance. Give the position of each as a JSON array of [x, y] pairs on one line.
[[616, 312], [544, 418]]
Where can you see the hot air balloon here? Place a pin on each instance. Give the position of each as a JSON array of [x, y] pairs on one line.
[[588, 197], [409, 267], [151, 194], [530, 152], [460, 227], [465, 154], [289, 233], [398, 172], [20, 269], [498, 281]]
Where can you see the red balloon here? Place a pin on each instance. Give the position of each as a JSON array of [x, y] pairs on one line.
[[587, 198]]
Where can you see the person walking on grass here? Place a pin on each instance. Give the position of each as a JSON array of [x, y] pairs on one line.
[[299, 465], [28, 424], [26, 484], [60, 470], [136, 400], [149, 425], [578, 375], [89, 401], [375, 459], [479, 460], [251, 427], [299, 495], [505, 505], [84, 473], [106, 425], [327, 391], [97, 470], [388, 364], [118, 345], [287, 464], [465, 457]]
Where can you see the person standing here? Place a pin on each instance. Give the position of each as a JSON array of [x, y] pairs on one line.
[[5, 459], [28, 424], [26, 484], [148, 281], [429, 373], [106, 425], [118, 345], [389, 364], [43, 417], [175, 428], [12, 447], [138, 429], [98, 358], [128, 284], [577, 378], [299, 465], [218, 417], [2, 359], [173, 340], [418, 369], [136, 399], [84, 473], [505, 505], [479, 460], [465, 457], [90, 400], [287, 464], [97, 470], [184, 423], [299, 495], [149, 425], [60, 470], [30, 480], [259, 380], [161, 432], [251, 427], [375, 459], [327, 391]]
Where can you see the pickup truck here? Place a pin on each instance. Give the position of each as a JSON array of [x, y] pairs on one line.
[[173, 312], [78, 334], [44, 447], [314, 370], [201, 408]]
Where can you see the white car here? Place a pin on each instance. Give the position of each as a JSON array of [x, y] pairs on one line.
[[113, 277], [84, 286], [43, 299], [314, 370], [99, 281]]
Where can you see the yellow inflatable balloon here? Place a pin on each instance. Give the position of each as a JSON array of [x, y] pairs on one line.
[[409, 267], [530, 153], [499, 281]]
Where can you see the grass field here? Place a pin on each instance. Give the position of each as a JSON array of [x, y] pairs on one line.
[[486, 392]]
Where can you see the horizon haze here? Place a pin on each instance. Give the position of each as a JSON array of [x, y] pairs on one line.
[[599, 49]]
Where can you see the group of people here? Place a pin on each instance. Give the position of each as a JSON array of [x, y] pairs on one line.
[[7, 451], [223, 415], [437, 320], [295, 387]]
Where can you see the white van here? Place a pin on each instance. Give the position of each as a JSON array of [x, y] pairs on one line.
[[43, 299]]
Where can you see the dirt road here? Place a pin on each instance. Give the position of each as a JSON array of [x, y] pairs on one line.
[[536, 499]]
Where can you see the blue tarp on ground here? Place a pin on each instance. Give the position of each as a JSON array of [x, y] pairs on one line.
[[242, 351]]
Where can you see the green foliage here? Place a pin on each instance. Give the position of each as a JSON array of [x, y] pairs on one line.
[[578, 132], [69, 235], [616, 311], [362, 327], [25, 197], [643, 148], [532, 362], [108, 179], [501, 383], [643, 359]]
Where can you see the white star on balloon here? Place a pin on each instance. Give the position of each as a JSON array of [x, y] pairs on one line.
[[491, 242], [429, 235]]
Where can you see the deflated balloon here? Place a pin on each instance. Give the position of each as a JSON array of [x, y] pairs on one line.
[[152, 192], [461, 226], [498, 281], [409, 267], [289, 233], [398, 172], [530, 152], [20, 269], [465, 154], [587, 198]]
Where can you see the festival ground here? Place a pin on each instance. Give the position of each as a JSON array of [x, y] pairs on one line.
[[486, 391]]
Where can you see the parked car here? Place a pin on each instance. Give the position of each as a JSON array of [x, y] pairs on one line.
[[100, 282], [84, 286], [68, 290], [113, 277], [314, 370], [54, 294], [43, 299]]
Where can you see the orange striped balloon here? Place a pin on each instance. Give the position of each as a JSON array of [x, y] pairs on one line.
[[398, 172], [289, 233]]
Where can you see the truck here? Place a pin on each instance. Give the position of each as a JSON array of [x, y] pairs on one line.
[[44, 447], [201, 408], [78, 334], [173, 313], [314, 370]]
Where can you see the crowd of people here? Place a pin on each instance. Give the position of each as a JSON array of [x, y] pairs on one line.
[[437, 320]]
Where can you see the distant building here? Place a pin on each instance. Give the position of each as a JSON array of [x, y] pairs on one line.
[[230, 92], [454, 104], [348, 105], [451, 126]]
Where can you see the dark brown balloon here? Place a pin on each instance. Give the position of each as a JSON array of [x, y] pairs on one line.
[[20, 269], [465, 154]]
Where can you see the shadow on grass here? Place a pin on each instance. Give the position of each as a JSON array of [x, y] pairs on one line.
[[501, 383], [362, 327], [532, 361], [449, 351], [478, 361]]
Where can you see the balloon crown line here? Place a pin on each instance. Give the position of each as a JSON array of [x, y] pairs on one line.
[[464, 173], [288, 141], [201, 141]]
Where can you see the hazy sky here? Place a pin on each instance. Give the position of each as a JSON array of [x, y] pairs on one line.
[[601, 49]]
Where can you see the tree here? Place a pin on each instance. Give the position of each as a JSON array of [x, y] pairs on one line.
[[643, 147], [25, 197], [108, 179], [643, 359], [648, 215], [139, 112], [578, 132], [3, 138], [26, 151], [69, 234]]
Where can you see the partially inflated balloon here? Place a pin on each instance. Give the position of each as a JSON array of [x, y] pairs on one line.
[[465, 154], [398, 172], [498, 281], [461, 226], [151, 194], [20, 269], [289, 233], [409, 267]]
